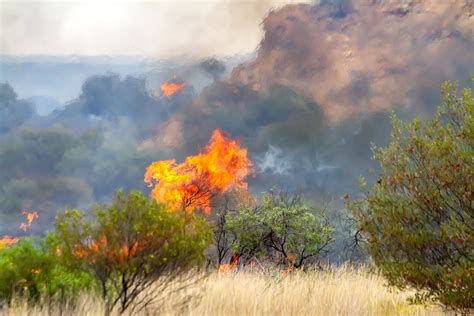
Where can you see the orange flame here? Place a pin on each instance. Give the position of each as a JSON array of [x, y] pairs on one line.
[[170, 88], [230, 266], [36, 271], [30, 217], [222, 165], [100, 248], [288, 271], [8, 240]]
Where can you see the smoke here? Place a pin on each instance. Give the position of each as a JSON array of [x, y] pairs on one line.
[[13, 112], [274, 161], [358, 56], [214, 68], [164, 29], [80, 153]]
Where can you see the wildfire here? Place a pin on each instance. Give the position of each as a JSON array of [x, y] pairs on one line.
[[30, 217], [170, 88], [191, 184], [230, 267], [100, 248], [8, 240]]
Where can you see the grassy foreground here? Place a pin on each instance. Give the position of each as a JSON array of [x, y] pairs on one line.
[[342, 291]]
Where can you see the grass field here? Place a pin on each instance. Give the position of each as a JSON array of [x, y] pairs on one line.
[[341, 291]]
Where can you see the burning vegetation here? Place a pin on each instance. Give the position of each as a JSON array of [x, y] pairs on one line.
[[8, 240], [170, 88], [222, 165], [30, 217]]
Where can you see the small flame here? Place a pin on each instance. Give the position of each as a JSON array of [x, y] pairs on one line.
[[288, 271], [7, 240], [222, 165], [101, 248], [230, 267], [170, 88], [36, 271], [30, 217]]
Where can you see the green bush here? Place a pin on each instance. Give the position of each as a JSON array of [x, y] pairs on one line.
[[280, 227], [32, 269], [418, 219], [131, 245]]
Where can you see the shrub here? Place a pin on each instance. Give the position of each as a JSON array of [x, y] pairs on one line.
[[246, 233], [418, 219], [130, 245], [282, 226], [296, 231], [31, 269]]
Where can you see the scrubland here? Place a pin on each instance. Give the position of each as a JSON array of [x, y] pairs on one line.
[[258, 291]]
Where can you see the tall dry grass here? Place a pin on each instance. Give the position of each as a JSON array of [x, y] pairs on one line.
[[339, 291]]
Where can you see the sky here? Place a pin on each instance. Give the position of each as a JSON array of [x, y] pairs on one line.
[[157, 29]]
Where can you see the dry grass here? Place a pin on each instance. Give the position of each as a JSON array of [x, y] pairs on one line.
[[342, 291]]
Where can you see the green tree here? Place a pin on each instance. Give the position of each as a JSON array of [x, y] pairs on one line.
[[296, 231], [246, 233], [31, 269], [280, 226], [418, 219], [132, 247]]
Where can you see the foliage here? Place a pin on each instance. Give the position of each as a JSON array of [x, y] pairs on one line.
[[32, 269], [130, 245], [105, 138], [49, 168], [418, 219], [245, 226], [282, 226], [294, 230]]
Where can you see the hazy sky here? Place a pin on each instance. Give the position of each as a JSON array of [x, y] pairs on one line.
[[160, 28]]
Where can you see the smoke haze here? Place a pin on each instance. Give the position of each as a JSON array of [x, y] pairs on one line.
[[158, 29]]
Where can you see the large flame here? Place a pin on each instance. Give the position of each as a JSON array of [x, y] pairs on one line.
[[191, 184], [170, 88]]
